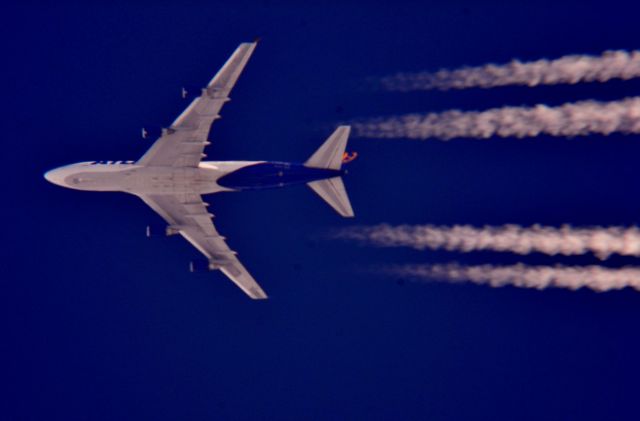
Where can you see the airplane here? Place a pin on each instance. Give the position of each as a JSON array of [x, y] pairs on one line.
[[171, 176]]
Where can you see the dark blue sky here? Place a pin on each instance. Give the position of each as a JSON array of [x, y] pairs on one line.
[[100, 323]]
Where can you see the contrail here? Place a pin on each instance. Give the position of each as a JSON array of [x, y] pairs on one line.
[[570, 69], [572, 277], [572, 119], [565, 240]]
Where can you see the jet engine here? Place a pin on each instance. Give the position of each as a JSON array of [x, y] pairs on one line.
[[190, 92], [160, 230], [151, 132], [202, 265]]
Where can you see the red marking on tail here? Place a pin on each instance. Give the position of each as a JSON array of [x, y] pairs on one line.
[[346, 157]]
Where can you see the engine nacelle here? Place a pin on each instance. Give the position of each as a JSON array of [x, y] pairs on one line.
[[159, 230], [202, 265], [190, 92], [151, 132], [171, 230], [156, 230]]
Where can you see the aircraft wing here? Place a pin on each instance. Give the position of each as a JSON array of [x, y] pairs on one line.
[[183, 143], [188, 215]]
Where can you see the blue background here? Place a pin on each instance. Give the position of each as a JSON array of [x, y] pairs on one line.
[[100, 323]]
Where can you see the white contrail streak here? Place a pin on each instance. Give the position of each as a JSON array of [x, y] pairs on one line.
[[572, 119], [566, 240], [565, 70], [572, 277]]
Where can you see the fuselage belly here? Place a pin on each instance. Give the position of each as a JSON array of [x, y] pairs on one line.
[[209, 177]]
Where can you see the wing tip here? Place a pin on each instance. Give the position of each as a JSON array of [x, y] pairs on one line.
[[257, 294]]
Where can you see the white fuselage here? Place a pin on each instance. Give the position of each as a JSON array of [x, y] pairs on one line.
[[126, 176]]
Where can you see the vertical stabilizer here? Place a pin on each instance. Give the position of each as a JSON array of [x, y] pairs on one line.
[[329, 156]]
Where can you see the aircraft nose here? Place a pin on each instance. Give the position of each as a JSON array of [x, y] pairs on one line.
[[55, 177]]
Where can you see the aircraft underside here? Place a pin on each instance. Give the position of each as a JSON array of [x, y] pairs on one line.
[[171, 176]]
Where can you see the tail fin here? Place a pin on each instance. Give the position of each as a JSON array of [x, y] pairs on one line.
[[329, 156]]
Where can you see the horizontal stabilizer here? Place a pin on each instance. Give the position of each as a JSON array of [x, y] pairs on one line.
[[329, 156], [333, 192]]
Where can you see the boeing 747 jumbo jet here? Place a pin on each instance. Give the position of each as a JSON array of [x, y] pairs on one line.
[[171, 176]]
